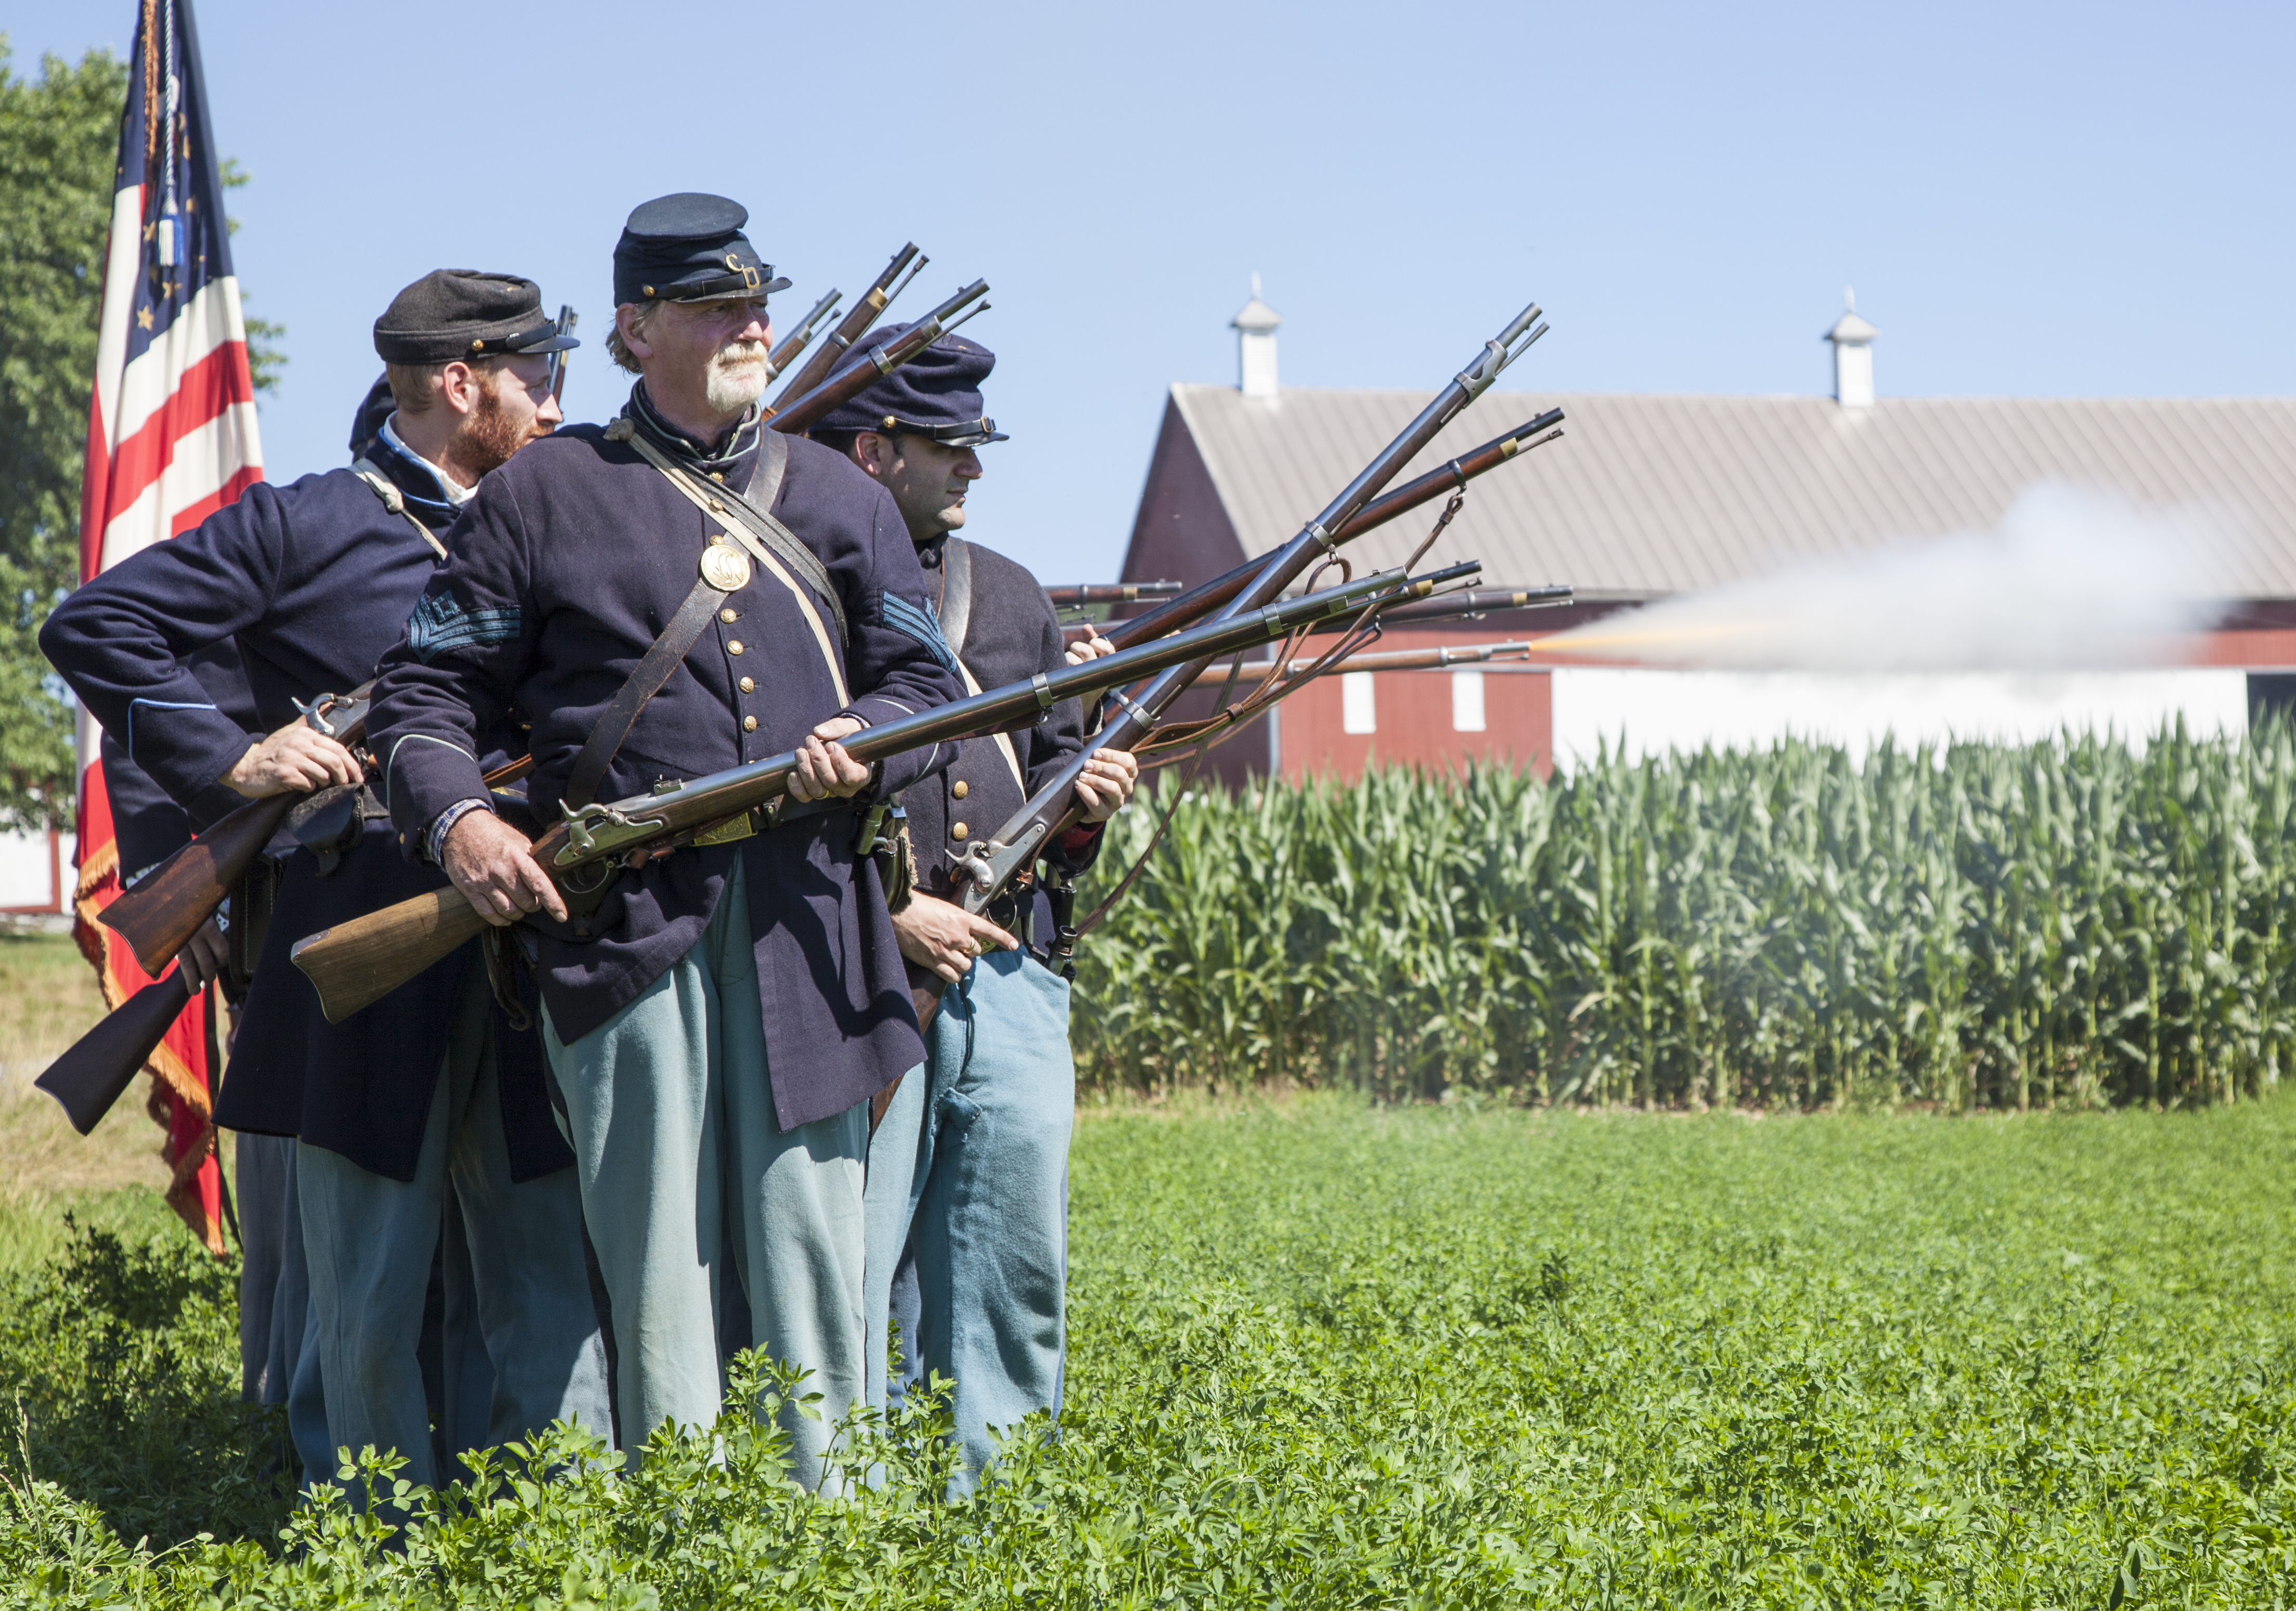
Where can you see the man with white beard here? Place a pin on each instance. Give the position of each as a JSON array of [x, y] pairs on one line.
[[718, 1021]]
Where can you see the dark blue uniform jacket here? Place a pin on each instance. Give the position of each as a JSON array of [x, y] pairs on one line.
[[147, 825], [313, 581], [566, 567], [1010, 633]]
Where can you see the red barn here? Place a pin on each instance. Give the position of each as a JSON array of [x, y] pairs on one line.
[[1648, 496]]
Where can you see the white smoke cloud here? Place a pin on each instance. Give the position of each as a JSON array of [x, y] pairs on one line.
[[2074, 578]]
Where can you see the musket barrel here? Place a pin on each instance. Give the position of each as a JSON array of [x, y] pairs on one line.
[[1109, 592], [856, 324], [862, 373], [1422, 489], [993, 862]]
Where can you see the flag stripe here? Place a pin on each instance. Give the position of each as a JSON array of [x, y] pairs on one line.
[[207, 388], [204, 460], [208, 322]]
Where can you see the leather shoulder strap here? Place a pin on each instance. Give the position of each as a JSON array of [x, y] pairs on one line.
[[955, 592], [713, 498], [394, 500], [645, 679]]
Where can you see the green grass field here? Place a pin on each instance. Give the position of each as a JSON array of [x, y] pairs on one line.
[[48, 996], [1332, 1355]]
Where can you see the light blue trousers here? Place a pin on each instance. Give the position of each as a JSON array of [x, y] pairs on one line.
[[669, 1107], [967, 1205], [369, 1242], [278, 1333]]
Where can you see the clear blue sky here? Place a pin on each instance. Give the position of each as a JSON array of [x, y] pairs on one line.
[[2089, 200]]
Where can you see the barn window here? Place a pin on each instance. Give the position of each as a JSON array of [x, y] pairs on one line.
[[1466, 701], [1357, 712]]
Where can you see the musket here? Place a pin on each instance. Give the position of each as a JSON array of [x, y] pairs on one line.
[[1391, 660], [1468, 605], [159, 916], [993, 862], [1108, 593], [856, 321], [1207, 596], [94, 1069], [880, 360], [800, 338], [567, 319], [355, 963]]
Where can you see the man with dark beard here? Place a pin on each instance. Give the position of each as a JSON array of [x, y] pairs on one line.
[[429, 1108], [719, 1023]]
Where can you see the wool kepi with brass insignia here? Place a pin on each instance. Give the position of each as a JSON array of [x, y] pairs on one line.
[[689, 248], [460, 313], [935, 394]]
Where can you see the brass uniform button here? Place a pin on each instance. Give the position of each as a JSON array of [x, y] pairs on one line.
[[960, 788], [747, 686], [957, 831], [734, 646], [727, 615], [748, 723]]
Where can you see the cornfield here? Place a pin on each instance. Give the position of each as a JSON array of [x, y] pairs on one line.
[[1974, 926]]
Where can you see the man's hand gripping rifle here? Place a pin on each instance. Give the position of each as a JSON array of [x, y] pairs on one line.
[[357, 963]]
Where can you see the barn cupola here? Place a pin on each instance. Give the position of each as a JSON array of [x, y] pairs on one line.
[[1853, 356], [1255, 346]]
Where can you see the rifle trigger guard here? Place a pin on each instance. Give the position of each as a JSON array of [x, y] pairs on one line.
[[598, 829]]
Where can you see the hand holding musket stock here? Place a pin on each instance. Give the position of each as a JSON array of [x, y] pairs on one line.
[[1015, 846], [357, 963]]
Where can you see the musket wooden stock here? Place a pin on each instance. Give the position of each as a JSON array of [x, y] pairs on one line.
[[160, 915], [94, 1069], [1205, 597], [354, 964]]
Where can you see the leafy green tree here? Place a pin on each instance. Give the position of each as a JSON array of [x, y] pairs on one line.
[[59, 140]]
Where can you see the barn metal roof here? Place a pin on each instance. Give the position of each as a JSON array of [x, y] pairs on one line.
[[1651, 494]]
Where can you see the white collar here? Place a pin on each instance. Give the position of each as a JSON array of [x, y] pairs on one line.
[[454, 493]]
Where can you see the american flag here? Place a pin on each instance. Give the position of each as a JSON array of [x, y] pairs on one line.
[[171, 439]]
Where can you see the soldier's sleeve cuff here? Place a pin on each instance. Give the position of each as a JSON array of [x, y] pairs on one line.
[[434, 839], [186, 750], [425, 776]]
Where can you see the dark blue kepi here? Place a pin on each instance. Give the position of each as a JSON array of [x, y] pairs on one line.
[[689, 248], [935, 395]]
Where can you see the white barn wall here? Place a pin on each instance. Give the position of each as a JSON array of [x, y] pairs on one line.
[[1650, 713], [29, 879]]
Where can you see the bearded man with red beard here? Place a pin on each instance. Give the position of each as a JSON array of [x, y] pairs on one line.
[[429, 1110], [681, 592]]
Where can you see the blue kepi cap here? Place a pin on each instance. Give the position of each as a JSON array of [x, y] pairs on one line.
[[689, 248]]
